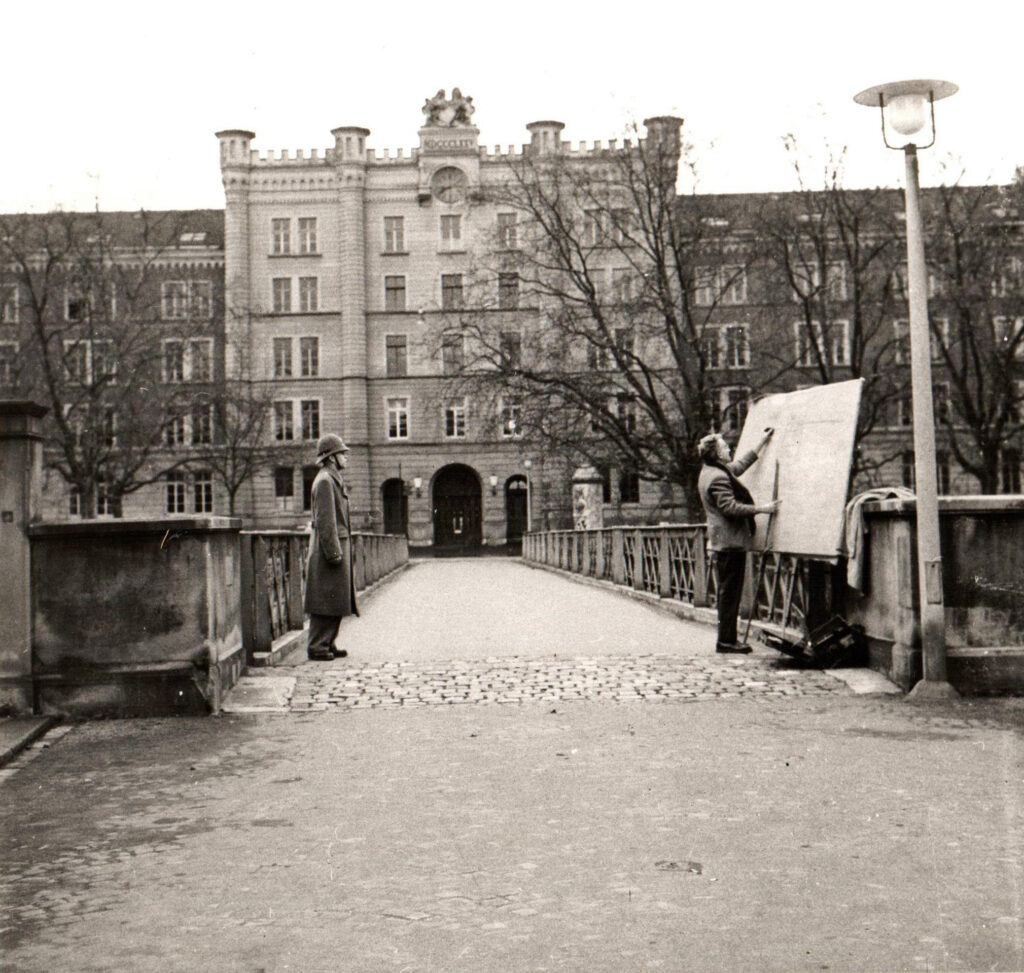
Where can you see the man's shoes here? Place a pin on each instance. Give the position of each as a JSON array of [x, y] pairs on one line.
[[734, 648], [338, 653], [319, 657]]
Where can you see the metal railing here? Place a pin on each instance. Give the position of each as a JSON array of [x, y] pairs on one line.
[[669, 561], [273, 573]]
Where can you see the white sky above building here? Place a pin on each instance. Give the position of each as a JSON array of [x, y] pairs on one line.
[[118, 101]]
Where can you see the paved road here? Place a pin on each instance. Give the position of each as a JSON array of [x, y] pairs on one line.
[[808, 831]]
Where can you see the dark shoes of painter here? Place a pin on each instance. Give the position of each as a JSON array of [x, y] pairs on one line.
[[733, 648]]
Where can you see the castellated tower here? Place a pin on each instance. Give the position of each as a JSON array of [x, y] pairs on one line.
[[545, 137], [235, 168]]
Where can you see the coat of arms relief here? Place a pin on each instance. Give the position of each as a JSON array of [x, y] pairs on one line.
[[451, 112]]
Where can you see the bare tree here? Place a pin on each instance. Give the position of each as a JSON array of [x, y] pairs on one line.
[[621, 283], [975, 252], [96, 337], [834, 255]]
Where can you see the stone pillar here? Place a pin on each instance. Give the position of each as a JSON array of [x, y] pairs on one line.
[[587, 502], [21, 479]]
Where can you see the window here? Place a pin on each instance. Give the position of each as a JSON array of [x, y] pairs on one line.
[[511, 418], [284, 427], [942, 472], [309, 357], [455, 419], [904, 411], [282, 358], [394, 293], [76, 304], [511, 350], [308, 476], [508, 291], [622, 225], [202, 425], [592, 235], [397, 362], [174, 431], [199, 361], [625, 342], [307, 234], [622, 285], [901, 341], [451, 230], [625, 412], [733, 403], [704, 286], [181, 299], [284, 482], [174, 361], [1007, 280], [174, 300], [309, 299], [398, 418], [1010, 471], [280, 236], [74, 502], [452, 353], [202, 492], [938, 337], [506, 231], [1009, 333], [451, 291], [8, 357], [175, 493], [735, 346], [394, 234], [108, 503], [726, 285], [940, 402], [108, 428], [282, 294], [597, 356], [629, 486], [201, 298], [908, 472], [9, 305], [712, 347], [732, 283], [310, 410], [76, 361], [811, 342]]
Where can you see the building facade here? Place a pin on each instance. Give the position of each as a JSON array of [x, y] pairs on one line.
[[340, 291]]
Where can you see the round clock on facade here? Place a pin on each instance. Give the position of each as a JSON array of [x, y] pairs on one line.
[[449, 184]]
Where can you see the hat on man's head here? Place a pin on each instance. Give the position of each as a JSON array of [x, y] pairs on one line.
[[329, 445]]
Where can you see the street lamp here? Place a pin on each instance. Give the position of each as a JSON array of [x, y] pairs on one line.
[[907, 107]]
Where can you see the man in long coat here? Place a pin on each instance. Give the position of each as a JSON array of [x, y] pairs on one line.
[[330, 585]]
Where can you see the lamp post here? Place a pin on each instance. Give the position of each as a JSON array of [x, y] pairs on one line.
[[905, 106]]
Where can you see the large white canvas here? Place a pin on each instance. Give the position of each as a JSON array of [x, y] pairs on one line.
[[813, 445]]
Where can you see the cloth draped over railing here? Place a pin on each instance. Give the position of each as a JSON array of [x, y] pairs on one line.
[[274, 575]]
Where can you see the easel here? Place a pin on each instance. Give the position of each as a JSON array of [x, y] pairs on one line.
[[761, 568]]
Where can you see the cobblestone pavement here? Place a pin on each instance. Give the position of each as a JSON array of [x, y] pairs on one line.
[[322, 686]]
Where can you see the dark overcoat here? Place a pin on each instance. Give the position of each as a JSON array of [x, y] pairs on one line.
[[330, 584]]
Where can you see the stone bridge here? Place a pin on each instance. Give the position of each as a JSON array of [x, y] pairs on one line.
[[495, 630]]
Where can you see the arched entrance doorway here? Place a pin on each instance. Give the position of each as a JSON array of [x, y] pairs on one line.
[[515, 510], [458, 525], [396, 507]]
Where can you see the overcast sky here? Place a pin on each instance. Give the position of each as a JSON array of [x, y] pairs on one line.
[[120, 100]]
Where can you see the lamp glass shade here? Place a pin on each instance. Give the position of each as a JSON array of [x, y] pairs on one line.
[[908, 113], [494, 480], [417, 482]]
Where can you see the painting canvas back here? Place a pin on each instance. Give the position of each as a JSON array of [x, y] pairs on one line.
[[813, 444]]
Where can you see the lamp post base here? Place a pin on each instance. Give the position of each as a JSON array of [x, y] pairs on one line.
[[931, 690]]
